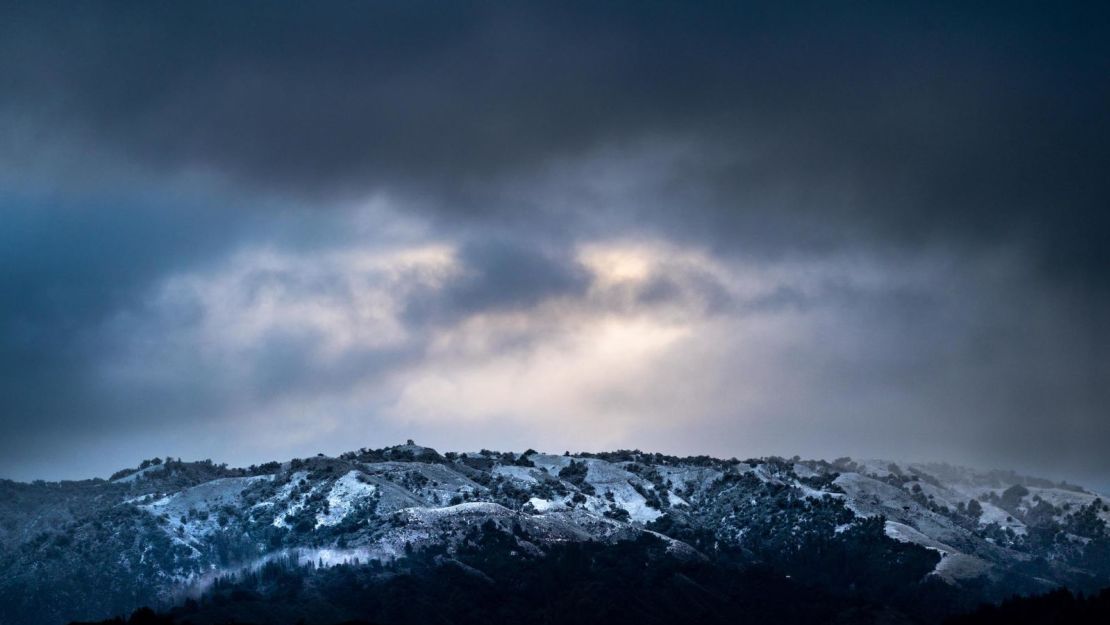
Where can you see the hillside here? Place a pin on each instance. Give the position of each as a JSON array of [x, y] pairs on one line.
[[888, 535]]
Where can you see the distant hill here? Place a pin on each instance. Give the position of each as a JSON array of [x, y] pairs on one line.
[[332, 539]]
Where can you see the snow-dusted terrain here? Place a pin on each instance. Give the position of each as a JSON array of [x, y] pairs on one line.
[[178, 526]]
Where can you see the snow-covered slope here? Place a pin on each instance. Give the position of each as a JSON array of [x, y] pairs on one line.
[[176, 526]]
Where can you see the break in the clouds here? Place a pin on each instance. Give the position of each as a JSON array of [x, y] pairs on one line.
[[258, 230]]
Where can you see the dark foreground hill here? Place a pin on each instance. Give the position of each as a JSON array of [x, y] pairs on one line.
[[488, 581], [1060, 607]]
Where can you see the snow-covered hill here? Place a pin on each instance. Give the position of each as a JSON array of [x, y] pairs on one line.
[[166, 531]]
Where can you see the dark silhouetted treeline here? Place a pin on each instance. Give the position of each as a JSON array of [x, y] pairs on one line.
[[490, 581], [1059, 607]]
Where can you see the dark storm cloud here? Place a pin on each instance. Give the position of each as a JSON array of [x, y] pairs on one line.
[[806, 130], [69, 266], [499, 275], [817, 124]]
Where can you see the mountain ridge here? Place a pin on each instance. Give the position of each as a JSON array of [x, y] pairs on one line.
[[167, 531]]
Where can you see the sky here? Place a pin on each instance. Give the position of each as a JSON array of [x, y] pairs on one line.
[[261, 230]]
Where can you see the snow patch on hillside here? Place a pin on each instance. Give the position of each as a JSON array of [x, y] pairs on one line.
[[549, 462], [994, 514], [470, 508], [957, 566], [519, 474], [813, 493], [904, 533], [131, 477], [546, 505], [204, 497], [611, 480], [689, 479], [344, 495]]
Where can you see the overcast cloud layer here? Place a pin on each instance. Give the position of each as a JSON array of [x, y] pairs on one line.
[[250, 231]]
